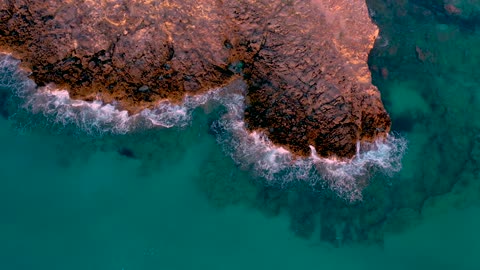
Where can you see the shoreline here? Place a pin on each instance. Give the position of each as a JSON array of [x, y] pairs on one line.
[[254, 149], [307, 84]]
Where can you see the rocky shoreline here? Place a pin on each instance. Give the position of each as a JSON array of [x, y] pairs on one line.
[[305, 62]]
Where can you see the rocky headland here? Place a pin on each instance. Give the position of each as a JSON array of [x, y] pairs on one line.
[[305, 62]]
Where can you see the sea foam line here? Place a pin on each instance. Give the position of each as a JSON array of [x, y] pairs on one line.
[[276, 164], [251, 150], [96, 117]]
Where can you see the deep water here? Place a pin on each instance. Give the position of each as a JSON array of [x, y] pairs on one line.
[[173, 198]]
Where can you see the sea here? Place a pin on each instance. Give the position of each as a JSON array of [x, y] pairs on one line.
[[84, 185]]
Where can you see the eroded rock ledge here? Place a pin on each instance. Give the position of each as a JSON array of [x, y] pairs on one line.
[[305, 61]]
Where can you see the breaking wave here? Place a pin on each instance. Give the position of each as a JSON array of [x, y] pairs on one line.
[[251, 150], [276, 164]]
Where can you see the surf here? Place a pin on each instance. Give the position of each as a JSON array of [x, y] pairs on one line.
[[251, 150]]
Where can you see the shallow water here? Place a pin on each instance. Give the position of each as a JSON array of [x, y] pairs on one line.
[[100, 210], [175, 198]]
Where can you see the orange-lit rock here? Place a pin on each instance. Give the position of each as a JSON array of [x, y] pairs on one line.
[[305, 61]]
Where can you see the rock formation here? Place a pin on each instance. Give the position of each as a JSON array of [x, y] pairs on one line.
[[305, 61]]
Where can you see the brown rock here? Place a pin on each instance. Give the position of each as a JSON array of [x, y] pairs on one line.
[[305, 61]]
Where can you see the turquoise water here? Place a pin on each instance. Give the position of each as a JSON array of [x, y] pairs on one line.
[[174, 198], [68, 208]]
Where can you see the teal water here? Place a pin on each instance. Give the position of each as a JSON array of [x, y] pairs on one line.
[[173, 199], [98, 210]]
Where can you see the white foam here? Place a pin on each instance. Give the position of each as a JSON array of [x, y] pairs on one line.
[[276, 164], [95, 118], [11, 77], [251, 150]]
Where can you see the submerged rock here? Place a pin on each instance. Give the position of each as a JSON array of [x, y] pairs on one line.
[[305, 61]]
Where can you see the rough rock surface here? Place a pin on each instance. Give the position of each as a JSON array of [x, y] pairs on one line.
[[305, 61]]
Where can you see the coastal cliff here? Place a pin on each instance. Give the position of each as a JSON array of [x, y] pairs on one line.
[[305, 62]]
